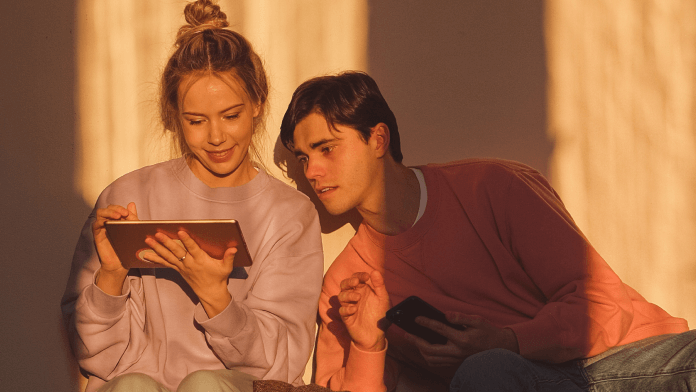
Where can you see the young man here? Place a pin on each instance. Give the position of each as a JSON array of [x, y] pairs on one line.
[[487, 241]]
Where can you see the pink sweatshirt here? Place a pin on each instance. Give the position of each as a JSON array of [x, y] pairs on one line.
[[157, 326], [495, 241]]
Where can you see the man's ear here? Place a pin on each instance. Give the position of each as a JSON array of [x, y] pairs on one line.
[[379, 139]]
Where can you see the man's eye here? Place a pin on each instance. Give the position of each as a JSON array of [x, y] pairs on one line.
[[302, 160], [327, 149]]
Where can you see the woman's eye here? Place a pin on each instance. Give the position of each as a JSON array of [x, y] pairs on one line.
[[195, 122], [302, 160], [232, 116]]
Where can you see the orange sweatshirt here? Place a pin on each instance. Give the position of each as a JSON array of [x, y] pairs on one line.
[[495, 241]]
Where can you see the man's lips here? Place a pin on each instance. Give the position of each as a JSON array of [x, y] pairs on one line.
[[324, 191], [220, 156]]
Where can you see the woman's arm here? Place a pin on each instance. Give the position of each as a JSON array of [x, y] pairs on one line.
[[106, 331], [270, 333]]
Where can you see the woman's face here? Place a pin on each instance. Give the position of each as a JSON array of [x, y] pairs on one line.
[[218, 123]]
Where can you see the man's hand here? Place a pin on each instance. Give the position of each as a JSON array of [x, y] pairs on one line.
[[479, 335], [364, 304]]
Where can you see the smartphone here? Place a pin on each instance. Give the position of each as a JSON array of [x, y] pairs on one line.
[[405, 313], [213, 236]]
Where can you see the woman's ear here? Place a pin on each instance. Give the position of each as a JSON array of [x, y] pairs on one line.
[[379, 139], [257, 110]]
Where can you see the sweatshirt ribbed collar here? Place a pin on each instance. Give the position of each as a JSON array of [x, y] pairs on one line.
[[225, 194], [413, 234]]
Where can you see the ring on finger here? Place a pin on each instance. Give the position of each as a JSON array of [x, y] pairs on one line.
[[183, 257]]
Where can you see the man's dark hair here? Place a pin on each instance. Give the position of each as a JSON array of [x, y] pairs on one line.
[[350, 99]]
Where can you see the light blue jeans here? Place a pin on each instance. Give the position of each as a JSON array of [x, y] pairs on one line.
[[664, 365], [223, 380]]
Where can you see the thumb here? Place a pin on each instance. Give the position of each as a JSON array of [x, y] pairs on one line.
[[378, 283], [228, 258], [132, 211]]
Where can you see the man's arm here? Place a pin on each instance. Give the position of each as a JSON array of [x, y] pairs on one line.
[[342, 363]]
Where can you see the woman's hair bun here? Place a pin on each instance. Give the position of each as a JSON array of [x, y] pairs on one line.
[[202, 15]]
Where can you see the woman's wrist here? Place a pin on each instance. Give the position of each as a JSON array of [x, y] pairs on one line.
[[215, 304], [111, 282]]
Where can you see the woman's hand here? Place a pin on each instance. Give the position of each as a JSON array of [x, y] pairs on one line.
[[364, 303], [112, 274], [207, 276]]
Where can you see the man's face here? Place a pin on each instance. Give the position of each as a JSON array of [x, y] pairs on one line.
[[339, 165]]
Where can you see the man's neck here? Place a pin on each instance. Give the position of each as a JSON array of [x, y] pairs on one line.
[[393, 206]]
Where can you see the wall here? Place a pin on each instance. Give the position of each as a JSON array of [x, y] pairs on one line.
[[41, 213]]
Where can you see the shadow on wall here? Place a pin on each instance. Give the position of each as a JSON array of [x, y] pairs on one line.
[[42, 212], [464, 78]]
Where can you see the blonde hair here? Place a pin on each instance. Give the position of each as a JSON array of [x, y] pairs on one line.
[[205, 46]]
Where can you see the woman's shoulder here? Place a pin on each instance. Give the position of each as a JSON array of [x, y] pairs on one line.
[[141, 180], [287, 196]]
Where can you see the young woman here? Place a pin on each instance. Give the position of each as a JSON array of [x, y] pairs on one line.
[[200, 325]]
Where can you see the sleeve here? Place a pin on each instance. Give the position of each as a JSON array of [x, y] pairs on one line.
[[270, 333], [107, 333], [340, 365], [587, 307]]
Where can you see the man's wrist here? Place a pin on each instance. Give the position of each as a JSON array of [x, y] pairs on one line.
[[380, 345]]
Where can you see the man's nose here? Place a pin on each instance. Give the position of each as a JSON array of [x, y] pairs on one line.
[[313, 169]]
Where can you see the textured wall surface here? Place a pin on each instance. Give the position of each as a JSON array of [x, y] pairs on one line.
[[622, 113]]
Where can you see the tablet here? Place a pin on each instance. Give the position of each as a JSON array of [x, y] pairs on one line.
[[213, 236]]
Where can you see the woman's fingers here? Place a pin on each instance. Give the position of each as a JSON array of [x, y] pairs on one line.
[[167, 249], [132, 212], [157, 259]]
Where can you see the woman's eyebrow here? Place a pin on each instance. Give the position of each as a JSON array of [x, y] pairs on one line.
[[222, 111]]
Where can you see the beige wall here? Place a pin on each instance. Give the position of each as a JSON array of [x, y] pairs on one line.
[[622, 111]]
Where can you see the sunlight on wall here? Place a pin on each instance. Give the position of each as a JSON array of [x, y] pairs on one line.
[[122, 46], [622, 112]]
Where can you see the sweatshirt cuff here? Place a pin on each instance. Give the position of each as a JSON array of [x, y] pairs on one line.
[[365, 369], [227, 323], [538, 338], [103, 304]]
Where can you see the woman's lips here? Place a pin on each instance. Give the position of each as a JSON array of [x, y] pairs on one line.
[[220, 156]]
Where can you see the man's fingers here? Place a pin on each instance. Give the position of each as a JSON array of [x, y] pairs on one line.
[[464, 319], [358, 279], [347, 310], [378, 283], [348, 297]]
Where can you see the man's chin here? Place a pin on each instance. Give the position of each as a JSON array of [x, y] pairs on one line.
[[336, 210]]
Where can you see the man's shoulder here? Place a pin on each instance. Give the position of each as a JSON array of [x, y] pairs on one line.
[[481, 184], [355, 257], [479, 168]]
